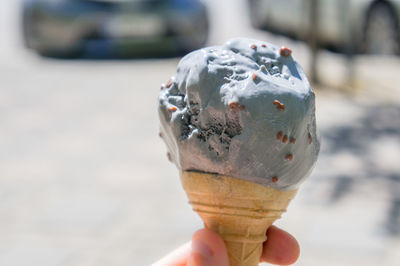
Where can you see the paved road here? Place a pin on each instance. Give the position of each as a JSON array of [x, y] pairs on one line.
[[85, 180]]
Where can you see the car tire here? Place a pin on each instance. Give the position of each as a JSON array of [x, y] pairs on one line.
[[32, 41], [61, 54], [381, 34]]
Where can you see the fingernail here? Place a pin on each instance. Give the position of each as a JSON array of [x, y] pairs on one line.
[[199, 246]]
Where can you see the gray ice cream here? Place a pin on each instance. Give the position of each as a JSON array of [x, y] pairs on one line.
[[245, 110]]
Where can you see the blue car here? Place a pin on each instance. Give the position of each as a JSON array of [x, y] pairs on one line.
[[121, 28]]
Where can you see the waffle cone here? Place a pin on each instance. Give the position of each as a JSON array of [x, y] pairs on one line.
[[239, 211]]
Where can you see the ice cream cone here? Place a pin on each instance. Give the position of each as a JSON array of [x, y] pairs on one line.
[[239, 211]]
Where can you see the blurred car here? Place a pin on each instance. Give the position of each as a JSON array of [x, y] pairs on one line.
[[370, 26], [68, 28]]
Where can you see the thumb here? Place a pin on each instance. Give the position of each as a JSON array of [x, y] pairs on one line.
[[208, 249]]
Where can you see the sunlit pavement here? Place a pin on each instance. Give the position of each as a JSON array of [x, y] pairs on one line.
[[84, 178]]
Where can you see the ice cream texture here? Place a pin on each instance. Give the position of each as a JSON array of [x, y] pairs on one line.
[[244, 109]]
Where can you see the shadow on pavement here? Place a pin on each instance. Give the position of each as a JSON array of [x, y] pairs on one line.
[[377, 124], [115, 56]]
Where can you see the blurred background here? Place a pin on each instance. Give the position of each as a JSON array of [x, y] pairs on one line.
[[84, 178]]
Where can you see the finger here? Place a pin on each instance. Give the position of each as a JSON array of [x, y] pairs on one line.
[[280, 248], [178, 257], [208, 249]]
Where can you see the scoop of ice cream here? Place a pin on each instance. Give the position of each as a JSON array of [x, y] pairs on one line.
[[245, 110]]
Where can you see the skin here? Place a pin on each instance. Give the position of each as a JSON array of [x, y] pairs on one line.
[[208, 249]]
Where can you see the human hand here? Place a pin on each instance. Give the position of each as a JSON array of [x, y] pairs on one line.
[[208, 249]]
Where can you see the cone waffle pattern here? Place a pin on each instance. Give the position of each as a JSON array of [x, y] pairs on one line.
[[239, 211]]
